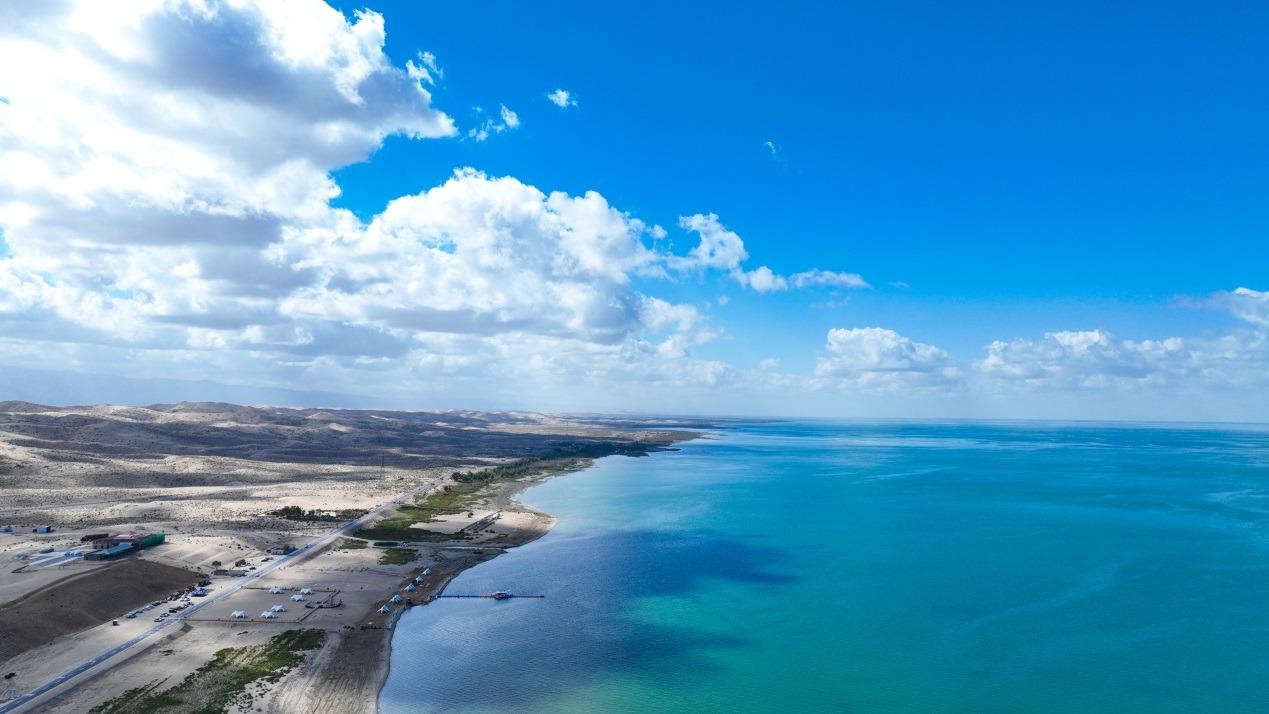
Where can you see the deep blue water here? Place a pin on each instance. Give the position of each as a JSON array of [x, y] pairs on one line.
[[895, 567]]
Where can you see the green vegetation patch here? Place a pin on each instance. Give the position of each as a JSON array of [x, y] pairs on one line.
[[295, 513], [350, 544], [398, 530], [469, 486], [223, 681], [398, 556]]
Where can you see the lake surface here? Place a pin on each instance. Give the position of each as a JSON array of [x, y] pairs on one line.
[[895, 567]]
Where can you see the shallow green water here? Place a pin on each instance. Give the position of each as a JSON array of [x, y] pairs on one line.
[[845, 567]]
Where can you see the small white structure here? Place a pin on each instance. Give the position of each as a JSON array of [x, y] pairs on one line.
[[238, 614], [297, 598], [427, 571], [275, 590], [306, 591], [395, 599], [385, 609], [411, 588], [269, 615], [278, 608]]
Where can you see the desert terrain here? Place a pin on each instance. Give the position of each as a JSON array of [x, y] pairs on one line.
[[378, 504]]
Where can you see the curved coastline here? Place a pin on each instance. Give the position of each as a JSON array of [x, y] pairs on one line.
[[510, 496]]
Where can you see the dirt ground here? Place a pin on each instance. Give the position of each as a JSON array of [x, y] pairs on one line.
[[167, 660], [84, 600], [209, 475]]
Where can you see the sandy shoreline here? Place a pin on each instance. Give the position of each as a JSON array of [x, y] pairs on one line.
[[375, 650], [385, 668], [211, 475]]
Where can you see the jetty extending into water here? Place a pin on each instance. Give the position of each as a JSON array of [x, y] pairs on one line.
[[500, 595]]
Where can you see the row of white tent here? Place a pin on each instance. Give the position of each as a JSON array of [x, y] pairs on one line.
[[277, 590], [272, 613], [269, 614]]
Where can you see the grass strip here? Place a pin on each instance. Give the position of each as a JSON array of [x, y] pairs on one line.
[[469, 487], [398, 556], [222, 682]]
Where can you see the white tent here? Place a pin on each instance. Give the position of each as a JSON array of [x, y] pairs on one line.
[[275, 590], [278, 608], [384, 609], [306, 591], [297, 598], [427, 571], [238, 614], [269, 615], [411, 588]]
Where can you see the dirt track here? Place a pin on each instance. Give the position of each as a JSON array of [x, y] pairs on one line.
[[84, 600]]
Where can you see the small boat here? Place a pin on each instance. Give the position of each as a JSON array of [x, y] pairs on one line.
[[501, 595]]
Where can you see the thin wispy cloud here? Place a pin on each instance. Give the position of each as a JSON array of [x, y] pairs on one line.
[[425, 70], [506, 121], [562, 98], [775, 152]]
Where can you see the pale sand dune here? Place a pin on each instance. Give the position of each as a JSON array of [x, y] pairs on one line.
[[208, 474]]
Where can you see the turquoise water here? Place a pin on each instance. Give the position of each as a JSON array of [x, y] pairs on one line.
[[845, 567]]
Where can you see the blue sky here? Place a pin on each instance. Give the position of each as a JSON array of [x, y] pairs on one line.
[[1088, 163], [1077, 183]]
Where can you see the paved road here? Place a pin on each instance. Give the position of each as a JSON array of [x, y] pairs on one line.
[[214, 597]]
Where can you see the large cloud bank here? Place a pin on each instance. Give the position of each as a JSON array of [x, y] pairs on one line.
[[166, 202], [167, 187]]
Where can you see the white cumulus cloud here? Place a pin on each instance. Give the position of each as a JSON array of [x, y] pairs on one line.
[[1086, 359], [151, 155], [876, 359], [723, 250], [562, 98], [1097, 360], [165, 188]]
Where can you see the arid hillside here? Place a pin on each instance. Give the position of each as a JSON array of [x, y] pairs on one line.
[[210, 462]]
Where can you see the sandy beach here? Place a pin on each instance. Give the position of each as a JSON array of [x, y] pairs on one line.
[[213, 478]]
